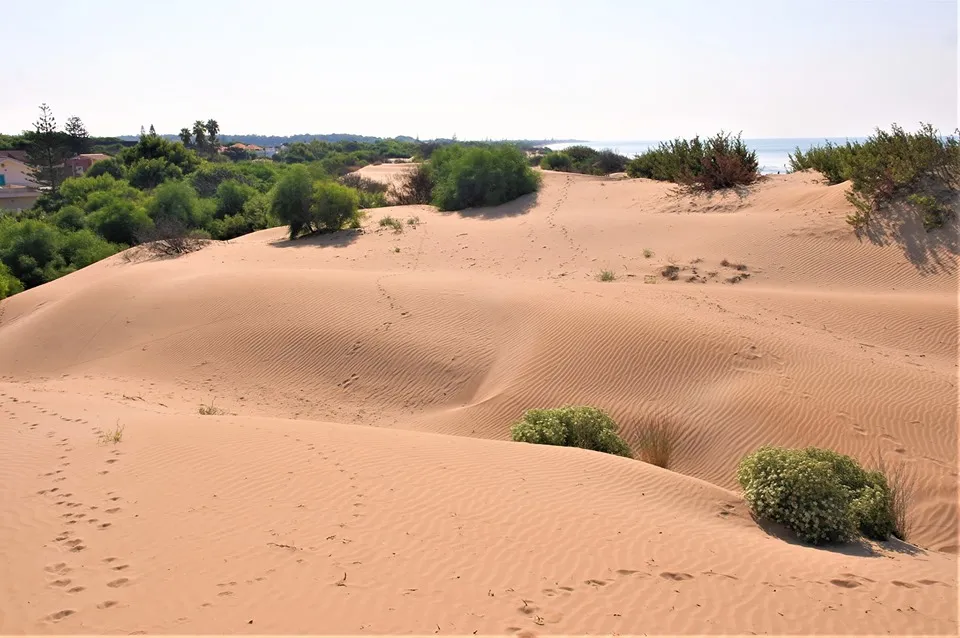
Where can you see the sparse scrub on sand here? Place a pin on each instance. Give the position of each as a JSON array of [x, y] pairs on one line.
[[391, 222], [309, 206], [209, 409], [647, 253], [114, 435], [921, 168], [656, 438], [671, 272], [726, 263], [721, 161], [413, 221], [571, 426], [607, 275], [583, 159], [821, 495], [903, 488], [370, 192]]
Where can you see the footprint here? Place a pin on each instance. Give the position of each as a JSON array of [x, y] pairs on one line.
[[900, 583], [78, 548], [109, 559], [120, 582], [120, 568], [74, 543], [107, 604], [60, 615], [111, 460], [675, 575], [846, 584], [626, 572], [927, 581], [61, 582], [104, 525], [594, 581], [57, 568], [225, 593], [75, 590], [113, 510], [567, 588]]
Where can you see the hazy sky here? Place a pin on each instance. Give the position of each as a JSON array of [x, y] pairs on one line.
[[591, 69]]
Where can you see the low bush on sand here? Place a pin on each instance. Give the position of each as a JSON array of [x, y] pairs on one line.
[[921, 169], [571, 426], [722, 161], [466, 177], [821, 495], [583, 159], [391, 222], [412, 187], [313, 206]]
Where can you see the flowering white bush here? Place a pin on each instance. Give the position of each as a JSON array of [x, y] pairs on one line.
[[571, 426], [822, 496]]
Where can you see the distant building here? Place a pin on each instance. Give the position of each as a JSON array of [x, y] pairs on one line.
[[14, 172], [18, 197], [77, 166]]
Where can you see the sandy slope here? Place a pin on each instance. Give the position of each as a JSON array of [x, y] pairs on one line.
[[454, 327]]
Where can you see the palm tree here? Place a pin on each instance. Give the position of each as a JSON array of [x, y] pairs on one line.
[[199, 134], [185, 136], [213, 129]]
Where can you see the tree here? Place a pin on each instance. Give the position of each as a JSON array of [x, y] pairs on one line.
[[292, 198], [199, 134], [46, 151], [213, 129], [78, 139], [185, 136], [153, 131]]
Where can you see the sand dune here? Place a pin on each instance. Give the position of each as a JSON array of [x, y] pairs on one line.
[[362, 481]]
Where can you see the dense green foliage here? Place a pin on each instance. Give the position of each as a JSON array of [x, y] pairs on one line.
[[338, 158], [309, 205], [721, 161], [583, 159], [571, 426], [465, 177], [822, 496], [921, 168]]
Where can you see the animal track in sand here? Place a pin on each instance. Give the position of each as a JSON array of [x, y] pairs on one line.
[[60, 615], [900, 583], [104, 525], [107, 604], [676, 576], [61, 582], [57, 568], [75, 590], [112, 510], [595, 581], [119, 582], [846, 584]]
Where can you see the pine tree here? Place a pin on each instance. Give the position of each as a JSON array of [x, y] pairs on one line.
[[46, 150], [153, 131], [78, 138]]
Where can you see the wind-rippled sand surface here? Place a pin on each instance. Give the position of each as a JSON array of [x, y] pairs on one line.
[[363, 481]]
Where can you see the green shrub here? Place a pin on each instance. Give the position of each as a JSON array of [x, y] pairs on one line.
[[291, 199], [177, 201], [150, 173], [333, 207], [571, 426], [721, 161], [120, 221], [35, 252], [391, 222], [112, 166], [69, 218], [231, 197], [583, 159], [468, 177], [9, 285], [822, 496], [558, 161], [922, 168]]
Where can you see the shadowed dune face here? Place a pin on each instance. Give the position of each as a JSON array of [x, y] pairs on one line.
[[781, 327]]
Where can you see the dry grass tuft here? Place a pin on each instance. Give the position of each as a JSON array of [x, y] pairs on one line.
[[607, 275], [209, 409], [902, 489], [111, 436], [656, 438]]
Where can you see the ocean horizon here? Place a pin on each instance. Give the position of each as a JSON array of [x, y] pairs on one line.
[[772, 154]]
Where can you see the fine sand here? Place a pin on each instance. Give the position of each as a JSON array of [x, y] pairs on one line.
[[362, 480]]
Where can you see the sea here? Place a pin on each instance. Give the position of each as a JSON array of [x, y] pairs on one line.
[[772, 154]]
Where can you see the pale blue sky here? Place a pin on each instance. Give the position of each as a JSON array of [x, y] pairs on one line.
[[592, 69]]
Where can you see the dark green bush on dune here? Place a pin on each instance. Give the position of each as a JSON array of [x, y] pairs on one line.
[[821, 495], [721, 161], [309, 206], [571, 426], [921, 168], [466, 177], [583, 159]]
